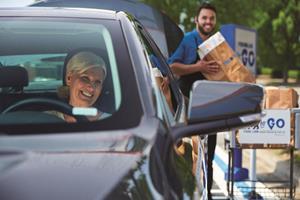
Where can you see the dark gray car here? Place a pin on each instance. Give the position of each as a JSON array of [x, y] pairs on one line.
[[131, 153]]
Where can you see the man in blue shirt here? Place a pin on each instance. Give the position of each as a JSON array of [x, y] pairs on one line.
[[186, 64], [185, 61]]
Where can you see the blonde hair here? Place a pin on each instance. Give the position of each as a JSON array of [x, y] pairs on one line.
[[83, 61], [79, 63]]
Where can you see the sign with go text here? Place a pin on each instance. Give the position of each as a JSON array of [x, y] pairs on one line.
[[274, 128], [245, 46], [243, 41]]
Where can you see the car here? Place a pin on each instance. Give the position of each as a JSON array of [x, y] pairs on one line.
[[165, 32], [131, 154]]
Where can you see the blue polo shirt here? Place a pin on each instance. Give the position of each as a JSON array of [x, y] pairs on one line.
[[186, 52]]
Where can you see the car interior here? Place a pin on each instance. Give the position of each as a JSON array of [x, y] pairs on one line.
[[15, 78], [32, 68]]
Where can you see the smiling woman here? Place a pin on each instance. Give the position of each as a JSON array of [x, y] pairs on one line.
[[84, 79]]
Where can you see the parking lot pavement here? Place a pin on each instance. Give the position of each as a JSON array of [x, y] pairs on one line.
[[218, 193], [241, 188], [275, 168]]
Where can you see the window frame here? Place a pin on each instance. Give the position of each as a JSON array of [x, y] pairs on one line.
[[130, 98], [177, 95]]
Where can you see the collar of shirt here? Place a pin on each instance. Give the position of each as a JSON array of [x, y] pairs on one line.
[[197, 37]]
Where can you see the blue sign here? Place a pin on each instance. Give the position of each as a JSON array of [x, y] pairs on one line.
[[243, 41]]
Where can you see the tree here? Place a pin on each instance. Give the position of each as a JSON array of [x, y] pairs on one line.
[[280, 36], [181, 12], [277, 24]]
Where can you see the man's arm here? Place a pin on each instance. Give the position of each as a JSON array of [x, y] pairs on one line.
[[202, 66]]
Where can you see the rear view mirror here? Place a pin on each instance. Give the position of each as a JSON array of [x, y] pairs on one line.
[[221, 106]]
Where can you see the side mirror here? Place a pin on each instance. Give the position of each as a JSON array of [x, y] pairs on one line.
[[214, 100], [220, 106]]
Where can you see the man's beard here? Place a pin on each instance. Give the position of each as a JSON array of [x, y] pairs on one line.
[[202, 31]]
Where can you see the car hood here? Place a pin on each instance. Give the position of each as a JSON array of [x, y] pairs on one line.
[[84, 175], [71, 166]]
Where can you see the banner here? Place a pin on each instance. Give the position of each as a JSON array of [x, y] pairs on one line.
[[274, 128]]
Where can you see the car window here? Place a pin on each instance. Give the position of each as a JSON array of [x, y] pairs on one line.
[[168, 100], [44, 70], [43, 47]]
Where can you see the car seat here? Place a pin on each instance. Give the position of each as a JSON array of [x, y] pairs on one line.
[[13, 77]]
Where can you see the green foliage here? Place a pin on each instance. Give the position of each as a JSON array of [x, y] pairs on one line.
[[277, 23], [266, 70], [279, 36], [176, 9]]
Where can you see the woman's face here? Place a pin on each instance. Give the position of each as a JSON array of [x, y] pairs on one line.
[[85, 88]]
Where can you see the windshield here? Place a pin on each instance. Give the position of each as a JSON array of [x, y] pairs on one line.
[[59, 70]]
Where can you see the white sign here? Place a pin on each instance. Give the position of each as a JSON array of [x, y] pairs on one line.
[[274, 128], [245, 47]]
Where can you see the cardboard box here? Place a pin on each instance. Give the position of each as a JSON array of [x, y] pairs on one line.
[[216, 48]]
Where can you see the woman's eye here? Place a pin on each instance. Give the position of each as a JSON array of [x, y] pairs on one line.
[[85, 79], [98, 83]]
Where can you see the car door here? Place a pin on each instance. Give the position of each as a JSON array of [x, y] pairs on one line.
[[171, 110]]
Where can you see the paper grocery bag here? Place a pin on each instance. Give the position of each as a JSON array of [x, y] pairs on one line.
[[216, 48], [280, 98]]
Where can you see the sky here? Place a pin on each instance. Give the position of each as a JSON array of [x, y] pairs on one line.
[[15, 3]]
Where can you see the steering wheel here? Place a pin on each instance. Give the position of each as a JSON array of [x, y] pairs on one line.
[[46, 104]]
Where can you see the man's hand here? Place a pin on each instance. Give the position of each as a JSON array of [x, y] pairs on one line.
[[208, 67]]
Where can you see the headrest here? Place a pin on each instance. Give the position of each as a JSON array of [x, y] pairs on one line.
[[13, 76]]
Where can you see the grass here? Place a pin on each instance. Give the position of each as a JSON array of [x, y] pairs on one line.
[[293, 73], [266, 70]]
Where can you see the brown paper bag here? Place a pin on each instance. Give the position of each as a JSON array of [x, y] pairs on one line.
[[216, 48], [280, 98]]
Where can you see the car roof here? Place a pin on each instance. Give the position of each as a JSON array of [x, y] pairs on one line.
[[165, 32], [58, 12], [139, 9]]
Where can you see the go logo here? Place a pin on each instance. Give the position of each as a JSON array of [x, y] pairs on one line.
[[278, 123], [248, 57]]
